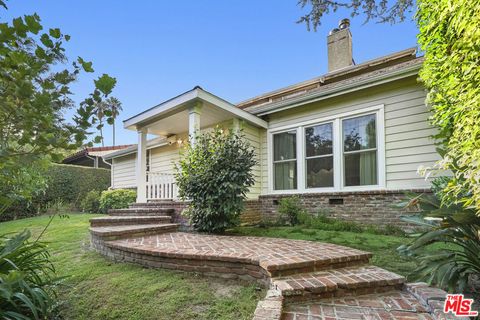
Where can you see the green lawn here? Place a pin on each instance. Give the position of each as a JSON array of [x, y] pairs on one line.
[[382, 247], [99, 289]]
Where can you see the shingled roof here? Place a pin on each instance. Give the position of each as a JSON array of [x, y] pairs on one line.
[[370, 70]]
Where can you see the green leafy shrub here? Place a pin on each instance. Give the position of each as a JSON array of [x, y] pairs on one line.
[[71, 183], [91, 202], [448, 251], [27, 278], [215, 174], [289, 209], [117, 199], [66, 183]]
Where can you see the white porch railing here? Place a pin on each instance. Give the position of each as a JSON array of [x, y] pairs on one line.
[[161, 186]]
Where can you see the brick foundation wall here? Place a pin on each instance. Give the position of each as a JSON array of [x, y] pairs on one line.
[[369, 207]]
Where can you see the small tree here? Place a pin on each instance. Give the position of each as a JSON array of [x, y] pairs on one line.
[[35, 95], [216, 174]]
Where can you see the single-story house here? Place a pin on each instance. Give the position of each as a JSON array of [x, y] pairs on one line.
[[348, 143], [93, 156]]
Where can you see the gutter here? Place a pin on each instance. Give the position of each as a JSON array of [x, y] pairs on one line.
[[128, 151], [335, 91]]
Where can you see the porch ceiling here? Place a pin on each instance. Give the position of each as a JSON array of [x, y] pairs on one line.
[[178, 122], [171, 116]]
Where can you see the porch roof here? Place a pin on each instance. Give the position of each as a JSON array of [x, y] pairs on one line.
[[171, 116]]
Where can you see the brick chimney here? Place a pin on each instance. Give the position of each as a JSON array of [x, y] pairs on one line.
[[339, 43]]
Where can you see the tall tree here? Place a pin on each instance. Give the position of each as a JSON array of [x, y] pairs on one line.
[[101, 107], [35, 80], [114, 106]]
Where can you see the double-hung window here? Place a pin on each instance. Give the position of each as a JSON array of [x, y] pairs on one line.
[[339, 153], [360, 150], [319, 156], [285, 160]]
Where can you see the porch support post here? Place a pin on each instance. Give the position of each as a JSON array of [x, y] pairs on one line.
[[237, 125], [194, 121], [141, 173]]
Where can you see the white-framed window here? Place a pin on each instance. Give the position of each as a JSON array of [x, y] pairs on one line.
[[319, 155], [285, 160], [360, 150], [336, 153]]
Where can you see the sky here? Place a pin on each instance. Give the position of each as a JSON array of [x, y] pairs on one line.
[[236, 49]]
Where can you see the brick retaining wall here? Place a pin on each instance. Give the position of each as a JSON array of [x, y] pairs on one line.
[[220, 267]]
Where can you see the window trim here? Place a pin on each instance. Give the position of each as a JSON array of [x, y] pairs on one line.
[[338, 171], [305, 158], [273, 161]]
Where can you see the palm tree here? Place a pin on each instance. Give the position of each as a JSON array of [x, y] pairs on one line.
[[100, 109], [114, 106]]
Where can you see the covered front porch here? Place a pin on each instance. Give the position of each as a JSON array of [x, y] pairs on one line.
[[168, 126]]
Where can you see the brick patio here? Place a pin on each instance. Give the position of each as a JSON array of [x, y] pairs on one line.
[[277, 256], [397, 305]]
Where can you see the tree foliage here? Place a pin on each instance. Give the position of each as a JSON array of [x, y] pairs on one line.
[[374, 10], [35, 80], [216, 174], [450, 37]]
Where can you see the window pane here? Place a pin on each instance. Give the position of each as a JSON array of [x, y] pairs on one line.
[[361, 168], [320, 172], [284, 146], [318, 140], [359, 133], [285, 175]]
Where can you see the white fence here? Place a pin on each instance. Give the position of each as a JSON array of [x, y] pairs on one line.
[[161, 186]]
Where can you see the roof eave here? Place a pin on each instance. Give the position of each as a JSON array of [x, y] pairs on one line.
[[335, 91], [181, 101]]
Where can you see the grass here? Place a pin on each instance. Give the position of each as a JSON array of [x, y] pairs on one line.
[[383, 247], [96, 288]]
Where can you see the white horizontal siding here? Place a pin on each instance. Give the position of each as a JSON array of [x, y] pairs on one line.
[[253, 136], [408, 143], [123, 172]]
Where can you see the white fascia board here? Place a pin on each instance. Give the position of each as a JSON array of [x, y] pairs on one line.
[[222, 104], [190, 96], [166, 106], [132, 150]]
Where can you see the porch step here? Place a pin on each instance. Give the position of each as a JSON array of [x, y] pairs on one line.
[[152, 203], [337, 282], [129, 220], [141, 211], [107, 233]]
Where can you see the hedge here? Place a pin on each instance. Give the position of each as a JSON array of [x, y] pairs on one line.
[[70, 183], [66, 183]]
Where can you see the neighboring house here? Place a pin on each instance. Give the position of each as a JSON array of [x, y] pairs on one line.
[[348, 143], [92, 157]]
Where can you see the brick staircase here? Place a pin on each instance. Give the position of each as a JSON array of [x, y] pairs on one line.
[[140, 219], [304, 278]]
